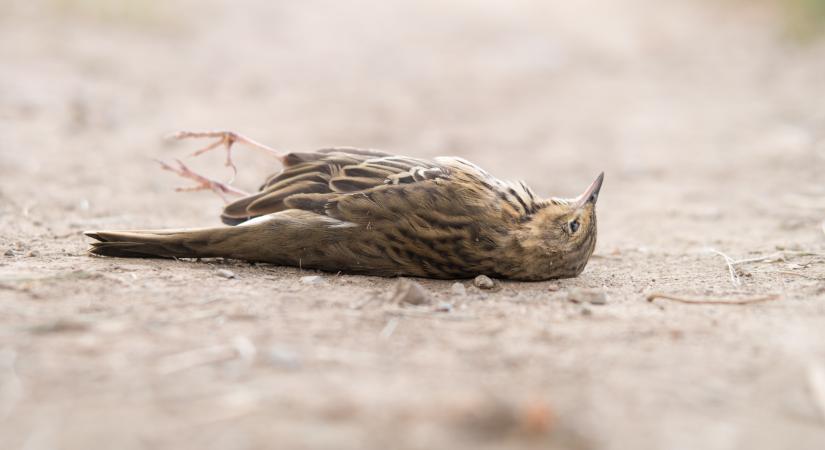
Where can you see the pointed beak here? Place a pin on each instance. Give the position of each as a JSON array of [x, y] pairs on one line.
[[591, 195]]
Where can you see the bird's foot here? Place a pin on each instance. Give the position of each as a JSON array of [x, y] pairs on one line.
[[226, 139], [203, 183]]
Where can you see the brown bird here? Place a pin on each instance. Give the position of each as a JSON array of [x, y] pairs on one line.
[[369, 212]]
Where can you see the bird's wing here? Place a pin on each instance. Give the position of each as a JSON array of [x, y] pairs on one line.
[[453, 194], [310, 179]]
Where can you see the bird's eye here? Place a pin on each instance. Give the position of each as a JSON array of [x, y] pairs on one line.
[[574, 226]]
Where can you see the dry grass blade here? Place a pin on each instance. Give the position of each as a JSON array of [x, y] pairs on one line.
[[797, 274], [770, 258], [734, 276], [713, 301], [778, 256]]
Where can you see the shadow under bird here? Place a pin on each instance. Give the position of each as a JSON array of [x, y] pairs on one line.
[[369, 212]]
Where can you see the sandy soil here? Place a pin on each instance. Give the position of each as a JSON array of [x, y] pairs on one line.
[[707, 117]]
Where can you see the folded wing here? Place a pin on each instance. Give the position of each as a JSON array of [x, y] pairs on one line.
[[310, 180]]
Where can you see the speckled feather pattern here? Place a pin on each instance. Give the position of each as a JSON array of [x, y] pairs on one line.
[[364, 211]]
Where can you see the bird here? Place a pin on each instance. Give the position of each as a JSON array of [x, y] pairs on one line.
[[363, 211]]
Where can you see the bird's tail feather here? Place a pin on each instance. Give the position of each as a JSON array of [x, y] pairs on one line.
[[194, 243]]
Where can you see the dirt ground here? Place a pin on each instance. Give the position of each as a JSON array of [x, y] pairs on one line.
[[707, 117]]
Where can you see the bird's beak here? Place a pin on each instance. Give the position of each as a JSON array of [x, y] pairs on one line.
[[591, 195]]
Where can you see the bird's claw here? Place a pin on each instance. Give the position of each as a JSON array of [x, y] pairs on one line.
[[203, 182], [226, 139]]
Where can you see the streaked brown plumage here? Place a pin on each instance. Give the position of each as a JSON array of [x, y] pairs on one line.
[[369, 212]]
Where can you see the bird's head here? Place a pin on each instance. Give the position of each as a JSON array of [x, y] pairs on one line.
[[565, 231]]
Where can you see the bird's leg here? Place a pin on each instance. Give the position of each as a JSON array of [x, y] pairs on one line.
[[226, 139], [203, 183]]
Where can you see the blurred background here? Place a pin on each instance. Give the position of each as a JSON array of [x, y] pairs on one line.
[[549, 92], [707, 116]]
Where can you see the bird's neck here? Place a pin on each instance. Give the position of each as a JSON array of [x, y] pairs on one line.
[[524, 256]]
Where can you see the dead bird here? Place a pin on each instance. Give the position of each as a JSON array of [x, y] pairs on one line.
[[370, 212]]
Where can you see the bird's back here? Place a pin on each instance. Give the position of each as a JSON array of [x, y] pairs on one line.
[[393, 215]]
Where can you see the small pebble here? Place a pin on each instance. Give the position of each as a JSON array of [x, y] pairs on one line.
[[553, 287], [484, 282], [598, 299], [33, 253], [458, 289], [444, 307], [676, 334], [9, 252], [226, 273], [592, 296], [410, 292], [312, 279]]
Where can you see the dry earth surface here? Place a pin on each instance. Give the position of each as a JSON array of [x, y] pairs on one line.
[[707, 117]]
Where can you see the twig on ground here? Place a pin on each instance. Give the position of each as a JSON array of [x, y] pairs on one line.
[[9, 287], [778, 256], [788, 272], [713, 301], [734, 276], [409, 312]]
